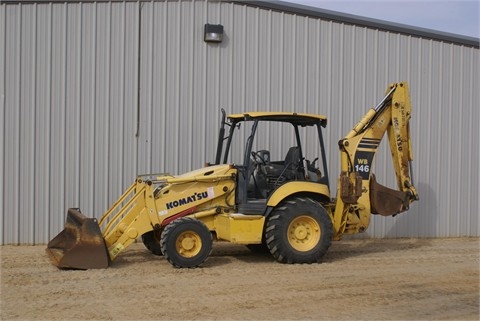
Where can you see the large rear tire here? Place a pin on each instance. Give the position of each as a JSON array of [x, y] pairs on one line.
[[299, 230], [186, 242], [151, 240]]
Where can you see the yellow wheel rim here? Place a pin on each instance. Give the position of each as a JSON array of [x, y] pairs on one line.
[[303, 233], [188, 244]]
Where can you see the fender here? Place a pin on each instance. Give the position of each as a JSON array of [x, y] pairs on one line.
[[294, 187]]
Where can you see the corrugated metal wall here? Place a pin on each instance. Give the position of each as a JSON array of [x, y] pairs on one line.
[[92, 94]]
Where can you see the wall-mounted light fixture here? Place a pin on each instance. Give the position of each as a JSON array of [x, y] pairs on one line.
[[213, 33]]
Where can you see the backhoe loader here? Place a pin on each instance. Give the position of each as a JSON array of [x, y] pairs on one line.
[[273, 197]]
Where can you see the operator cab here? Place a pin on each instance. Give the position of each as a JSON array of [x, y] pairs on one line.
[[270, 149]]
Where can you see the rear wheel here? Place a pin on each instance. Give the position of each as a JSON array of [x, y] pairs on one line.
[[151, 240], [299, 231], [186, 242]]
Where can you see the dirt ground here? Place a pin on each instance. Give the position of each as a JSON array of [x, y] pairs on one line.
[[392, 279]]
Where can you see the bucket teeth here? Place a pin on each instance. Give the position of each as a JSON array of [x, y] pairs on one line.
[[80, 245]]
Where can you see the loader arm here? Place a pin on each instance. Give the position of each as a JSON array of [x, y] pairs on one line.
[[149, 204], [86, 243], [141, 209], [132, 215], [358, 193]]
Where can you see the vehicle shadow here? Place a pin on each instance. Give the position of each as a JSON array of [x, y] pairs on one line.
[[341, 250], [224, 253]]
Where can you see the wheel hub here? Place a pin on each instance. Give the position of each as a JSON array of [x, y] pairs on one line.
[[188, 244], [303, 233]]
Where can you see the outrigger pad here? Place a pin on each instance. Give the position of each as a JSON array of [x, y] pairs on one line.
[[80, 245], [386, 201]]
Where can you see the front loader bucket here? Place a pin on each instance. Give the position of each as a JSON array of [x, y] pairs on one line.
[[80, 245]]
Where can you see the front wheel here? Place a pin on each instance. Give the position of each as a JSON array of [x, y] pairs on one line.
[[186, 242], [151, 240], [299, 231]]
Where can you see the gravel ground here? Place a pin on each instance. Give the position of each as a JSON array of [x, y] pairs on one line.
[[391, 279]]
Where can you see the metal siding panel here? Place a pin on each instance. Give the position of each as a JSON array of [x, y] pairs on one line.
[[71, 103], [422, 98], [276, 61], [12, 124], [116, 162], [312, 65], [87, 108], [145, 77], [72, 106], [226, 78], [468, 166], [301, 64], [101, 119], [42, 123], [159, 65], [189, 159], [250, 30], [3, 143], [55, 209], [172, 42], [288, 64], [238, 60], [472, 72], [454, 151], [444, 139], [130, 141], [263, 61], [27, 122]]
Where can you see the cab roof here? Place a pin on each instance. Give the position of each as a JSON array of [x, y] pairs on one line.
[[288, 117]]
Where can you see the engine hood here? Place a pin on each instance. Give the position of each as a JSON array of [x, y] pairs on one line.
[[208, 171]]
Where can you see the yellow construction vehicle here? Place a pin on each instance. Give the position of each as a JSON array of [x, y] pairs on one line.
[[253, 194]]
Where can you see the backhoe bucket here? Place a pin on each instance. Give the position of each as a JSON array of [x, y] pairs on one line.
[[80, 245], [386, 201]]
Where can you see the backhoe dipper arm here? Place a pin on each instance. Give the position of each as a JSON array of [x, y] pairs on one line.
[[358, 193]]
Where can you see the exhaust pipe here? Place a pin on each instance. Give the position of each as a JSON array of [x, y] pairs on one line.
[[80, 245]]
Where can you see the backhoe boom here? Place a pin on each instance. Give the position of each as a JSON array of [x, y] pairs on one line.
[[358, 193]]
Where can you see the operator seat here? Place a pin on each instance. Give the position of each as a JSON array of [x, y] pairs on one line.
[[292, 164]]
